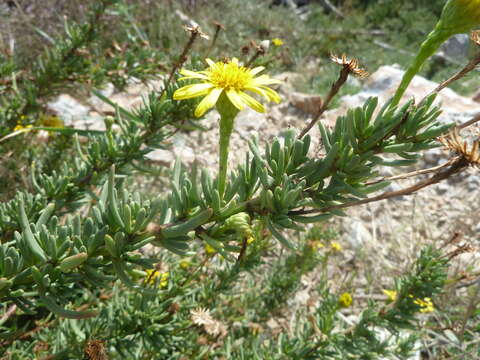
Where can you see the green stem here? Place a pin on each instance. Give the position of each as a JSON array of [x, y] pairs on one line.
[[228, 112], [226, 127], [427, 49]]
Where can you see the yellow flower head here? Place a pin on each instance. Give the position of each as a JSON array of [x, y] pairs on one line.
[[153, 275], [185, 264], [210, 250], [51, 121], [336, 246], [426, 305], [316, 244], [277, 42], [345, 300], [231, 79], [391, 294], [19, 127]]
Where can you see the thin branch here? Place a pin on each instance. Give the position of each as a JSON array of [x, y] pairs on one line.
[[469, 122], [333, 91], [194, 33], [10, 311], [469, 67], [413, 173], [458, 164]]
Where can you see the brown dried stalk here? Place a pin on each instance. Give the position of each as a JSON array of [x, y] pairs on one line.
[[457, 165], [349, 66], [261, 50], [194, 33], [412, 174]]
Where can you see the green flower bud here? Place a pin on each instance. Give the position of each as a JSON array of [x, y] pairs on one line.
[[459, 16]]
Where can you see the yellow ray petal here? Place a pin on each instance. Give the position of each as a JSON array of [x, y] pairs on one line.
[[272, 94], [192, 74], [251, 102], [210, 62], [235, 99], [258, 91], [265, 80], [208, 102], [257, 70], [191, 91]]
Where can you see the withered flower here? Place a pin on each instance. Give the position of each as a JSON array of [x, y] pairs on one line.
[[196, 30], [351, 65], [202, 317], [454, 142]]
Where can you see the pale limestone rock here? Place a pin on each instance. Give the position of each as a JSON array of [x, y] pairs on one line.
[[309, 104]]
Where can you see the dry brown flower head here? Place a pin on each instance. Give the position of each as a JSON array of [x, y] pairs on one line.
[[351, 65], [202, 317], [219, 26], [195, 30], [475, 37], [454, 142], [95, 350]]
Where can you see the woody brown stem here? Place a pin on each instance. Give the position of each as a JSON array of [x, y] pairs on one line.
[[458, 164], [194, 32], [333, 91]]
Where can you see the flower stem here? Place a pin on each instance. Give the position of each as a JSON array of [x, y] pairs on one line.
[[228, 112], [427, 49]]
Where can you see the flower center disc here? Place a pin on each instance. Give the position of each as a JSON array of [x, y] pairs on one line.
[[229, 76]]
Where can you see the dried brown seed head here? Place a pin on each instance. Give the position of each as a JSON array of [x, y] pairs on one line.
[[454, 142], [475, 37], [351, 65]]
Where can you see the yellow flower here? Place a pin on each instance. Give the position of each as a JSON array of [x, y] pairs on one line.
[[51, 121], [316, 244], [391, 294], [210, 249], [185, 264], [231, 79], [153, 275], [336, 246], [345, 300], [426, 305], [277, 42], [22, 127]]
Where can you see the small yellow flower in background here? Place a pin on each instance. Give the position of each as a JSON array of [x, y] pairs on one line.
[[20, 127], [210, 249], [153, 275], [345, 300], [316, 244], [391, 294], [250, 239], [51, 121], [185, 264], [336, 246], [426, 305], [277, 42], [229, 78]]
